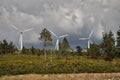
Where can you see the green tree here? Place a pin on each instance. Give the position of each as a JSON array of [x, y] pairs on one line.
[[65, 45], [32, 50], [46, 37], [118, 43], [79, 50], [108, 46], [11, 47], [24, 50], [60, 46], [118, 38], [94, 51], [5, 46], [0, 47]]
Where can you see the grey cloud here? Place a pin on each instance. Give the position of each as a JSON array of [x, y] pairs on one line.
[[77, 17]]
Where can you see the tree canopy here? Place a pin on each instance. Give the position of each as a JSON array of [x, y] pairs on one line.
[[46, 37]]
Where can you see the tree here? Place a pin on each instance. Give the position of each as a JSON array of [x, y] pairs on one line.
[[118, 38], [108, 46], [5, 46], [32, 50], [79, 50], [0, 47], [11, 47], [65, 46], [24, 50], [94, 51], [60, 46], [118, 43], [46, 37]]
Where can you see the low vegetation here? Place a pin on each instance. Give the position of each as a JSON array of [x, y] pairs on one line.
[[26, 64]]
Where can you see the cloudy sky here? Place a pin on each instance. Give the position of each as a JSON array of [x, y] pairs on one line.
[[74, 17]]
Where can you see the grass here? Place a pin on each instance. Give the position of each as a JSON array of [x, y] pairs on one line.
[[33, 64]]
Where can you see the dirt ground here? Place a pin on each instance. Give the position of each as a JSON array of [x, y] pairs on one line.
[[81, 76]]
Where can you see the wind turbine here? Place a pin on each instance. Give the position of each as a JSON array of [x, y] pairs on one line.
[[88, 39], [21, 35], [57, 41]]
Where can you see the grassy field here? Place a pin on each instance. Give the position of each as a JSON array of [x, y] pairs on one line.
[[33, 64], [82, 76]]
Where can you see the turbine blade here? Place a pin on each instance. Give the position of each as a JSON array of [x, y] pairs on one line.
[[13, 26], [83, 38], [91, 34], [28, 30], [53, 33], [63, 36]]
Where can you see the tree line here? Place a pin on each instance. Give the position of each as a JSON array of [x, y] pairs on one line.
[[106, 49], [7, 47]]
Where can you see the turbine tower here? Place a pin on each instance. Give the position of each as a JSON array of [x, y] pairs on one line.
[[57, 41], [115, 37], [88, 39], [21, 35]]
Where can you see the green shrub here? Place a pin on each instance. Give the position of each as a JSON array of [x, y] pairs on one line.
[[27, 64]]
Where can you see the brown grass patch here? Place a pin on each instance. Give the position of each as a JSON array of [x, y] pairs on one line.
[[81, 76]]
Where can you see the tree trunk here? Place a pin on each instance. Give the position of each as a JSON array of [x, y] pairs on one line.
[[51, 55], [45, 54]]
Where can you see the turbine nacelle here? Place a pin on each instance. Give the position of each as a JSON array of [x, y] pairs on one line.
[[21, 32]]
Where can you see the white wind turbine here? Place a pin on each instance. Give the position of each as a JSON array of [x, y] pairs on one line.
[[57, 41], [88, 39], [21, 35]]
